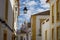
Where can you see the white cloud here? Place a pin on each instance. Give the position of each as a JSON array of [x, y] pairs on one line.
[[20, 24], [23, 2], [43, 1], [29, 13], [46, 5], [21, 13], [31, 3]]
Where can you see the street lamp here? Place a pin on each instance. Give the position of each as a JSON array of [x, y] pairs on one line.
[[25, 10]]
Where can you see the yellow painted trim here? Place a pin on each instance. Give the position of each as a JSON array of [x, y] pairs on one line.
[[6, 10], [33, 27]]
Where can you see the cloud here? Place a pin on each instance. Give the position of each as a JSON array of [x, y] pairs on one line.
[[21, 19], [19, 26], [46, 5], [43, 1], [29, 13], [31, 3]]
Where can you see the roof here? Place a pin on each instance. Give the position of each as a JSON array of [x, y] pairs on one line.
[[43, 13]]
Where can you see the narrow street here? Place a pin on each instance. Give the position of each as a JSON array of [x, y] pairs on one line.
[[29, 19]]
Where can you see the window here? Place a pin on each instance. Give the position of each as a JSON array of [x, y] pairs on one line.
[[6, 10], [58, 10], [0, 26], [24, 38], [52, 34], [58, 33], [16, 8], [40, 29], [45, 35], [58, 16], [13, 37], [5, 35], [52, 13], [21, 38]]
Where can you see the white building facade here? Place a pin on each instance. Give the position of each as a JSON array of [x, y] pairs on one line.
[[51, 29], [36, 21], [7, 17]]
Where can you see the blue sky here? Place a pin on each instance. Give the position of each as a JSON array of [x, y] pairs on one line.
[[33, 6]]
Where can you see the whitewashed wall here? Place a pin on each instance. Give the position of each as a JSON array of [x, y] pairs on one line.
[[10, 19], [46, 27], [56, 24], [2, 11], [38, 25], [10, 14]]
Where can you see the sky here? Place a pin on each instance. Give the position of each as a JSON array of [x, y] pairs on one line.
[[34, 7]]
